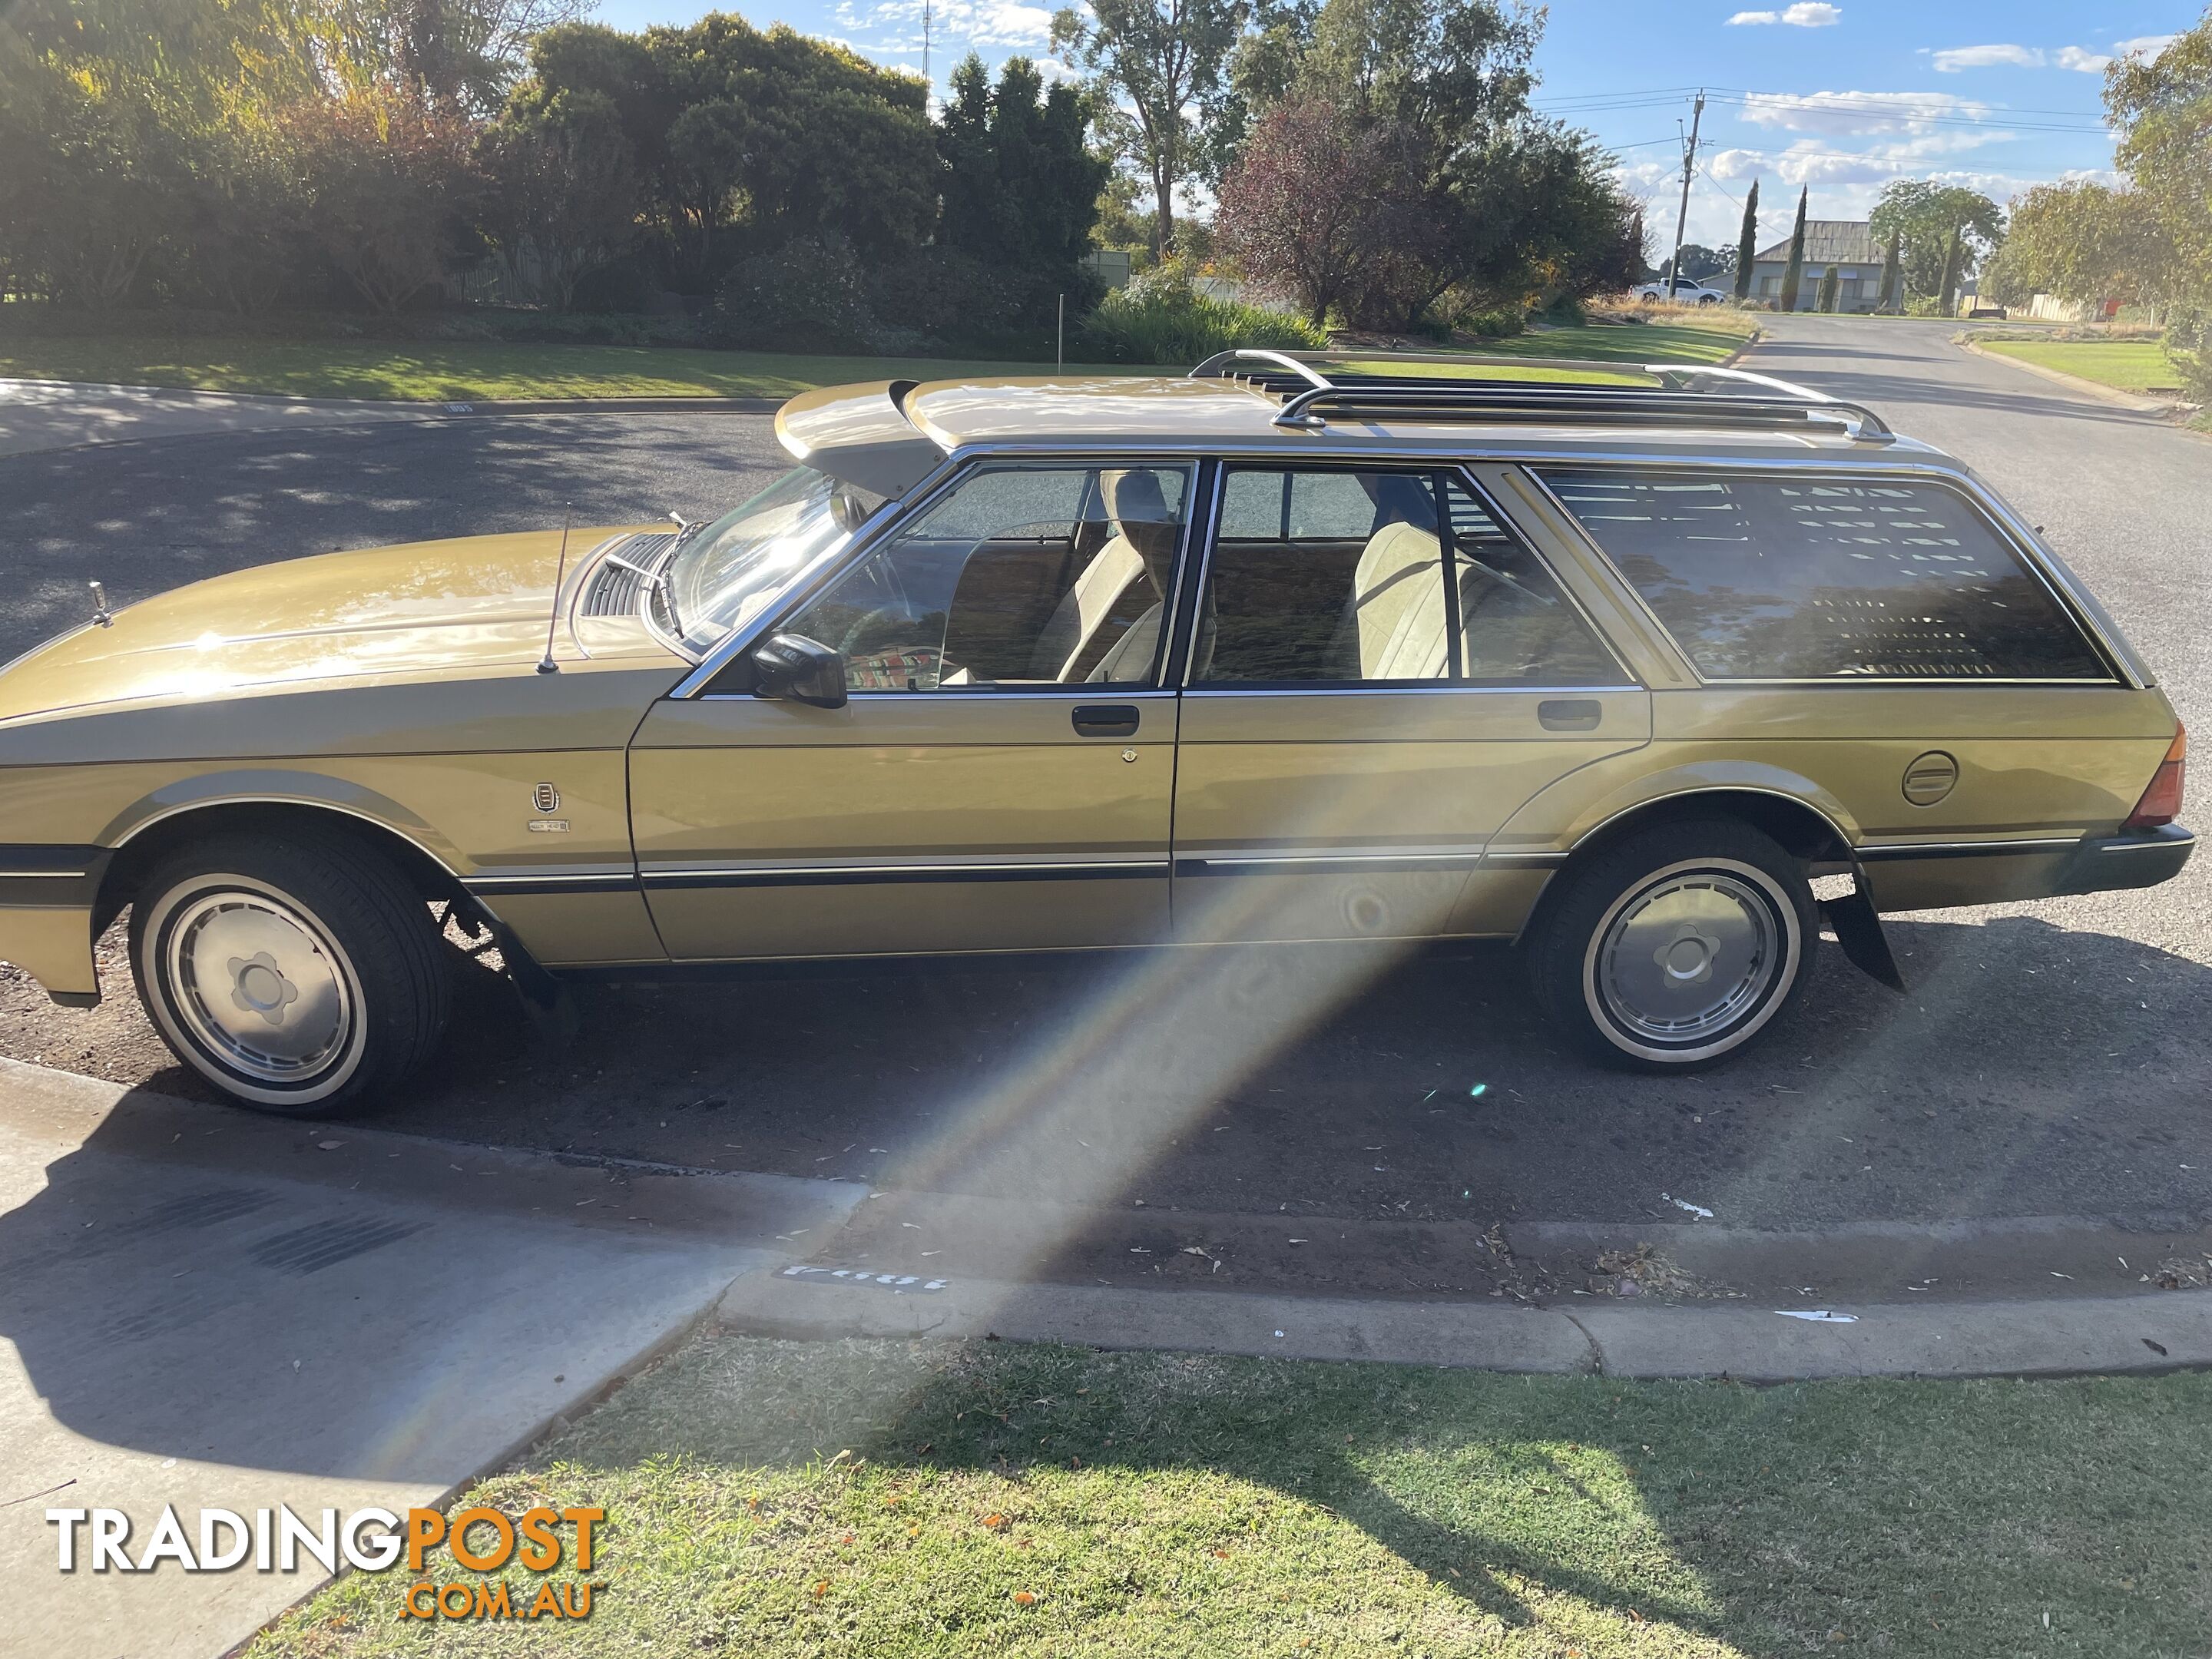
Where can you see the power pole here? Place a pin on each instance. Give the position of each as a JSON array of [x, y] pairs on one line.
[[1682, 219], [929, 87]]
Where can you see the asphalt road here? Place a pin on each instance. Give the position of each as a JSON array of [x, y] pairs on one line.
[[2049, 1060]]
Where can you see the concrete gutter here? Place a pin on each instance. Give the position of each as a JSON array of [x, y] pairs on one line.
[[2050, 1338]]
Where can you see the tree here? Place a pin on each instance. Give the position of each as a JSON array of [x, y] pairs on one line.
[[1747, 243], [1307, 204], [1020, 190], [1831, 284], [1947, 292], [563, 192], [1700, 261], [1893, 273], [1160, 62], [1927, 216], [1793, 274], [382, 190], [1480, 202], [2085, 241]]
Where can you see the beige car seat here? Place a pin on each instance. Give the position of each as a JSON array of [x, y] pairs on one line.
[[1134, 565], [1398, 605]]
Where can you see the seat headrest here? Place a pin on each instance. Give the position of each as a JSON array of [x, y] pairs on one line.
[[1139, 507], [1135, 497]]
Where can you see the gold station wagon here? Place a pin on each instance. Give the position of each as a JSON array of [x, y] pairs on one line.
[[1292, 649]]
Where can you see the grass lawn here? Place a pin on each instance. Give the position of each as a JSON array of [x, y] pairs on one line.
[[473, 371], [2131, 365], [886, 1499], [464, 370], [1704, 336]]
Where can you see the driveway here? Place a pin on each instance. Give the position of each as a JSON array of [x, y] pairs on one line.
[[1301, 1121]]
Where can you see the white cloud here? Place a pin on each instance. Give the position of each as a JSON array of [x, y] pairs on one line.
[[894, 27], [1955, 58], [1805, 14], [2085, 59], [1841, 114]]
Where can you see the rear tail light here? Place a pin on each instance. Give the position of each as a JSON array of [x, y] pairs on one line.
[[2161, 802]]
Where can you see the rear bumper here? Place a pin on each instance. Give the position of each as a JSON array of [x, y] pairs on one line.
[[2142, 860], [1937, 876]]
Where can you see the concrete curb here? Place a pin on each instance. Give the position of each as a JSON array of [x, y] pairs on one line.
[[2158, 406], [1752, 1344]]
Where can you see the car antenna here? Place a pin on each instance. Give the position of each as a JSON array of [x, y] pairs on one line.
[[546, 664]]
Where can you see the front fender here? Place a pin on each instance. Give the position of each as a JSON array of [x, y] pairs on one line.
[[271, 785]]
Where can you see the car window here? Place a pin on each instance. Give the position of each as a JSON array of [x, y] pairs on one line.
[[1347, 577], [1020, 577], [1772, 577]]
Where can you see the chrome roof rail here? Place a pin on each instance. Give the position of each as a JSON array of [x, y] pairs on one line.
[[1221, 362], [1514, 395]]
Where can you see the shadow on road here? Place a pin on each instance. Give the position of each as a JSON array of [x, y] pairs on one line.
[[145, 518]]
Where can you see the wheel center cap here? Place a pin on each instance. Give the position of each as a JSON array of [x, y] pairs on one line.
[[258, 986], [1687, 959]]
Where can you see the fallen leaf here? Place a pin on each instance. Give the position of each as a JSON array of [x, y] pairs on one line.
[[994, 1519], [1024, 1599], [821, 1587]]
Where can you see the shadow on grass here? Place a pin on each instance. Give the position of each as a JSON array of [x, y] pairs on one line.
[[888, 1497]]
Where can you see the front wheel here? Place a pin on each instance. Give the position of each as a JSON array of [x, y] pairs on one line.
[[1676, 947], [299, 975]]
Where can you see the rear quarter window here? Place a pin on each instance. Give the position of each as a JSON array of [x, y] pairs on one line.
[[1761, 577]]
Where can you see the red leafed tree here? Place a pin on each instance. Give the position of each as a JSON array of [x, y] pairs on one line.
[[1307, 210]]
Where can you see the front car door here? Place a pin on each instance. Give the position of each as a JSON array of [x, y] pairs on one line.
[[1381, 674], [1001, 776]]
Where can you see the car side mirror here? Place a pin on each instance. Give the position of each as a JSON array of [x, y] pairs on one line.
[[799, 670]]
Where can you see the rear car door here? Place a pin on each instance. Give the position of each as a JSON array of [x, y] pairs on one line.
[[1380, 675], [1000, 776]]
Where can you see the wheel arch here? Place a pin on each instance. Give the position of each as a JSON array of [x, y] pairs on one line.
[[1808, 831], [159, 834]]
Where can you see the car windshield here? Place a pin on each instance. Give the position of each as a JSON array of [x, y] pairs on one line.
[[729, 572]]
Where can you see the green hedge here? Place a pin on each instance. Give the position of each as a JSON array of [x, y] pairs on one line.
[[1166, 321]]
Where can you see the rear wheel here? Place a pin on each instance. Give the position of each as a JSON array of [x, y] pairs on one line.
[[1676, 947], [298, 974]]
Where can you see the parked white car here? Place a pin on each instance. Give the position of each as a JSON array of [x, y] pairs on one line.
[[1686, 293]]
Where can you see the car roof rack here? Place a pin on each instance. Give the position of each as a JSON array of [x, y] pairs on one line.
[[1311, 382]]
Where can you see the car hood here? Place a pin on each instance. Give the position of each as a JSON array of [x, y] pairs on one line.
[[425, 610]]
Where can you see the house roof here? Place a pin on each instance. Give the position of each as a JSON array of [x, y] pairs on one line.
[[1831, 242]]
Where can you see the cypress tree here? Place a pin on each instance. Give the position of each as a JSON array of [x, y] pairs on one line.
[[1893, 298], [1951, 256], [1794, 273], [1747, 244], [1831, 282]]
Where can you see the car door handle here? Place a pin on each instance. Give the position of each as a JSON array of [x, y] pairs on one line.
[[1110, 719], [1570, 713]]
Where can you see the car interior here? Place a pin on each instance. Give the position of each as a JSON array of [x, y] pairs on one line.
[[1318, 577]]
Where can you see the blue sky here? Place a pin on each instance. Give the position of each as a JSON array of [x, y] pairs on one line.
[[1839, 97]]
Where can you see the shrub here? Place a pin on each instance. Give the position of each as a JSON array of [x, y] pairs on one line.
[[2189, 343], [807, 295], [1496, 324], [1161, 319], [943, 294]]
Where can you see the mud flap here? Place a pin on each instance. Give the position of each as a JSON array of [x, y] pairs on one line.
[[1859, 930]]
